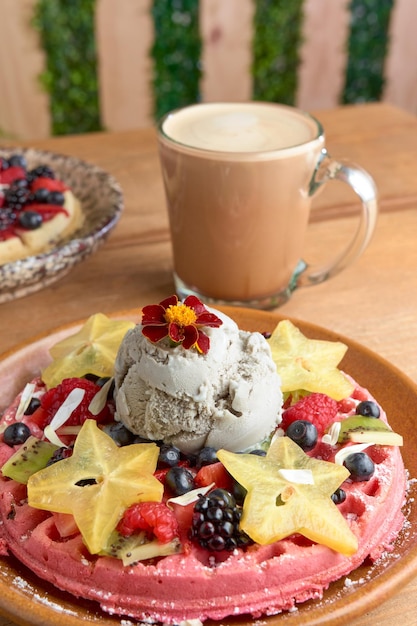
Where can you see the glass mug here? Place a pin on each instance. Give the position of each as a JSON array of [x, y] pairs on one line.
[[239, 180]]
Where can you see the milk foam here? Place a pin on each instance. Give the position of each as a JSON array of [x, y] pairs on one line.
[[240, 127]]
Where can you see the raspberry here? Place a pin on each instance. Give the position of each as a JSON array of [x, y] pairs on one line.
[[152, 517], [52, 400], [317, 408]]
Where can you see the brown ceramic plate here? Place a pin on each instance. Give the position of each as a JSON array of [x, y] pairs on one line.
[[101, 203], [29, 601]]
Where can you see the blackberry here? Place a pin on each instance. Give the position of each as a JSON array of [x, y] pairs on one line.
[[43, 171], [60, 454], [7, 218], [18, 194], [18, 160], [4, 164], [215, 523]]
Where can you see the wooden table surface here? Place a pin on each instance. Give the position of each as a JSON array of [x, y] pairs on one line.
[[374, 301]]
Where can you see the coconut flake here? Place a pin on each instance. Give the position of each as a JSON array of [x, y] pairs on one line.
[[298, 476], [72, 401], [348, 450], [99, 401], [333, 435], [191, 496], [25, 399], [51, 435]]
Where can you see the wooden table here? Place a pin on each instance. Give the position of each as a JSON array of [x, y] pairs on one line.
[[374, 301]]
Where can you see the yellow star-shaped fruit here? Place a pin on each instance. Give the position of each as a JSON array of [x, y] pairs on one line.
[[113, 479], [288, 492], [308, 364], [92, 350]]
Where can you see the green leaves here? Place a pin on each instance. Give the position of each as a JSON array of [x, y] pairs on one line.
[[367, 49], [67, 36], [276, 46], [176, 54]]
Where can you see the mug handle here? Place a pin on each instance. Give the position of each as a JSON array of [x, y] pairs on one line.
[[363, 185]]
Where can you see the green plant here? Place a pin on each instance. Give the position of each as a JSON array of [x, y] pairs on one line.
[[176, 54], [66, 31], [367, 48], [276, 44]]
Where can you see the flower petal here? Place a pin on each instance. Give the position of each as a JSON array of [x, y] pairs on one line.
[[174, 333], [209, 319], [203, 342], [171, 301], [153, 314], [190, 336], [155, 333], [195, 304]]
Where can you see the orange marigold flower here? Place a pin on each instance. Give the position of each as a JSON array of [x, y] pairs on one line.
[[180, 321]]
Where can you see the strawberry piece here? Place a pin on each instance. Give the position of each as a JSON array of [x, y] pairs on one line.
[[214, 473], [65, 524], [54, 398], [48, 211], [11, 174], [152, 517], [52, 184], [317, 408]]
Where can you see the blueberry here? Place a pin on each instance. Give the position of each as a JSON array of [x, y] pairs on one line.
[[32, 406], [206, 456], [179, 480], [56, 197], [360, 466], [41, 195], [169, 455], [368, 408], [258, 452], [31, 220], [303, 433], [339, 496], [119, 433], [16, 434]]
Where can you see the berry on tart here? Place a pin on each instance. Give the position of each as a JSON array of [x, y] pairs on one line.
[[37, 210]]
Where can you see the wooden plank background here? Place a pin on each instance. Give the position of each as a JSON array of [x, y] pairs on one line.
[[124, 37]]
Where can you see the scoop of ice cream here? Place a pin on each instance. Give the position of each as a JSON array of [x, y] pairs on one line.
[[230, 397]]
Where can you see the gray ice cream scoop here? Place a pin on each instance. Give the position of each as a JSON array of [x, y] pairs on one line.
[[228, 398]]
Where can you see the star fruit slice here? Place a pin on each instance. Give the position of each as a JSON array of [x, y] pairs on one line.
[[97, 483], [92, 350], [288, 492], [308, 364]]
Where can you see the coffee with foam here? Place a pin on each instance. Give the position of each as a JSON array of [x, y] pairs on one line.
[[239, 127], [239, 180]]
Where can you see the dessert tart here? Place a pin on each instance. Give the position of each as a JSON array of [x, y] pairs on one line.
[[37, 210], [174, 530]]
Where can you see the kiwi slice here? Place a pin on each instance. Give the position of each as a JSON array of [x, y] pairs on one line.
[[31, 457], [138, 548], [360, 429]]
